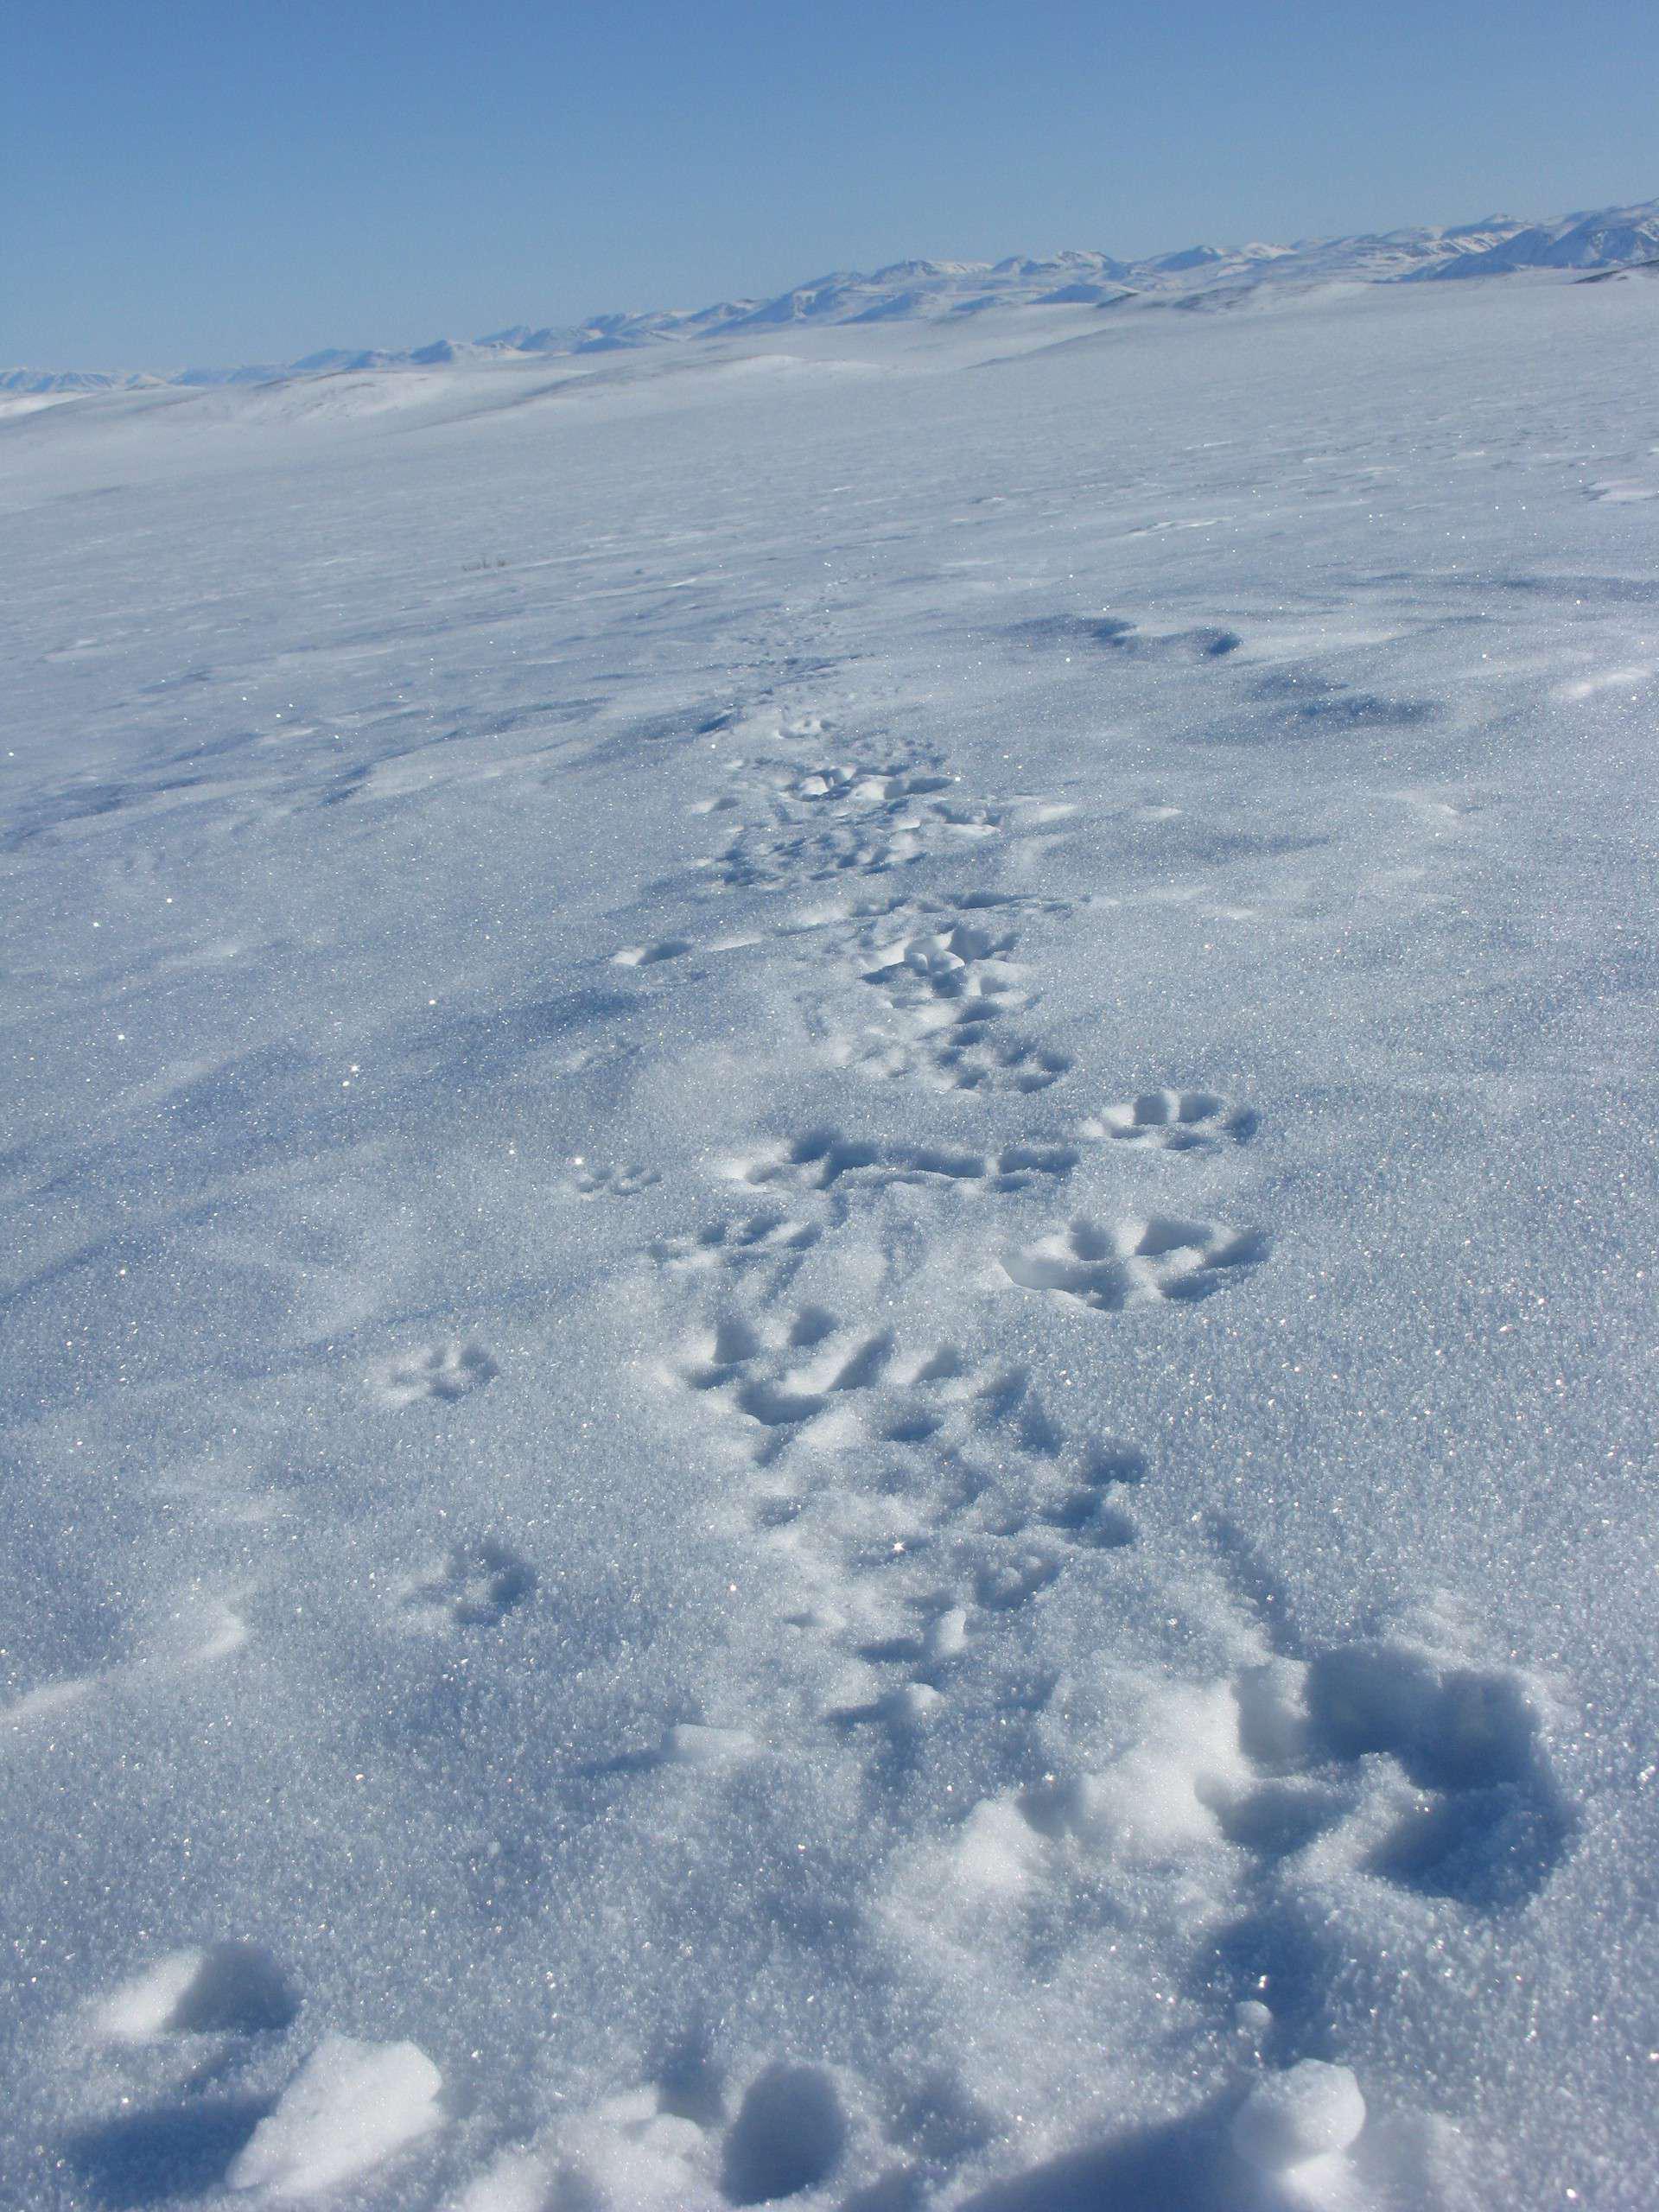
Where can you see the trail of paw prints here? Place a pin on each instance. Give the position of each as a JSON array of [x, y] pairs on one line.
[[442, 1371], [965, 1055], [475, 1584], [827, 1160], [914, 1496], [937, 980], [1163, 1259], [591, 1178], [1173, 1121], [767, 1239], [770, 1385], [934, 973], [913, 1609], [828, 817], [939, 987], [833, 811], [853, 843]]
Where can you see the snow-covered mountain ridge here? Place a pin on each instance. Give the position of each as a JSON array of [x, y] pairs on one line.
[[1603, 241]]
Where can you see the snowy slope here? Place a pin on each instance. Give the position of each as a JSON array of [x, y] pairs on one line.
[[1200, 277], [830, 1299]]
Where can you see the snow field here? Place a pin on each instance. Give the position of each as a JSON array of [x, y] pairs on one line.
[[830, 1357]]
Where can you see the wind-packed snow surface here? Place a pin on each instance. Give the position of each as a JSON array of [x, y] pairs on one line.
[[831, 1223]]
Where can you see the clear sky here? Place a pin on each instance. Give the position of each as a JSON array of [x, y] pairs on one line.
[[225, 180]]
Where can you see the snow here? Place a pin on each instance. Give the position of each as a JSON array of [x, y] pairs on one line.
[[1310, 2111], [831, 1316], [349, 2109]]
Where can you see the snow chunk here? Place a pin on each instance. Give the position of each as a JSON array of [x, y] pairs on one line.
[[349, 2107], [1311, 2112]]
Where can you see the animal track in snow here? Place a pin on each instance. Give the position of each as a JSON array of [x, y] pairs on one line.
[[444, 1371], [809, 1381], [1174, 1120], [589, 1181], [478, 1585], [812, 1374], [1088, 1514], [860, 790], [798, 1372], [788, 2136], [905, 1567], [824, 1159], [830, 819], [967, 1055], [221, 1988], [947, 987], [650, 955], [673, 2146], [1137, 1262], [1413, 1768], [790, 791], [1481, 1818], [962, 964], [762, 1236], [899, 1539], [779, 862]]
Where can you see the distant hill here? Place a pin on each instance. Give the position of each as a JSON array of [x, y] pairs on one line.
[[1601, 243]]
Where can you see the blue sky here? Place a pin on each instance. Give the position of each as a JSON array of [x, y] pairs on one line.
[[244, 181]]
